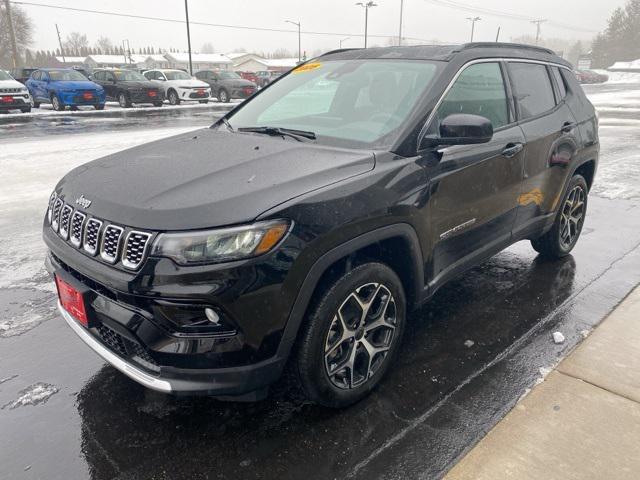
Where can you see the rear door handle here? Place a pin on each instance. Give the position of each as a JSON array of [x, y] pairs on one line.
[[567, 127], [512, 149]]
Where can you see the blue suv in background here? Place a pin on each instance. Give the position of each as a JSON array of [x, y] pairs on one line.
[[64, 87]]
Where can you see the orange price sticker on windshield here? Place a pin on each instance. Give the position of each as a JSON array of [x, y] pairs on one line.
[[307, 67]]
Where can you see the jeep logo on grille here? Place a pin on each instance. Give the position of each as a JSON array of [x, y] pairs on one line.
[[83, 202]]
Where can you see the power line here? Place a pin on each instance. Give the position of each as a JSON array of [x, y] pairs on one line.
[[502, 14], [205, 24]]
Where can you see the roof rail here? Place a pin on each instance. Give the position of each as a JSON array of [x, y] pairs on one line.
[[521, 46], [338, 50]]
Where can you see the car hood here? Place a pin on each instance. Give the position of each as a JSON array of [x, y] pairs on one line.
[[238, 83], [74, 85], [206, 178], [188, 83], [10, 84], [137, 84]]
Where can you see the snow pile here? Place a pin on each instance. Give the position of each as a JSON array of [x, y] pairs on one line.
[[33, 395], [558, 338]]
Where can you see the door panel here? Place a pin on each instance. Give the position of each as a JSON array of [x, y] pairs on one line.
[[474, 192], [551, 143]]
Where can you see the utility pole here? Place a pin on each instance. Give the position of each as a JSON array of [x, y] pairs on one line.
[[186, 11], [366, 7], [297, 24], [126, 50], [12, 34], [498, 35], [400, 28], [344, 40], [538, 23], [60, 43], [473, 21]]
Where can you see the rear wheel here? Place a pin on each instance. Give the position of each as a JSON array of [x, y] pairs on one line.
[[57, 103], [123, 100], [173, 97], [36, 104], [352, 336], [157, 104], [564, 234], [223, 96]]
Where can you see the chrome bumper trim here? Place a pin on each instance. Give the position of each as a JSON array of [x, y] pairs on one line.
[[129, 370]]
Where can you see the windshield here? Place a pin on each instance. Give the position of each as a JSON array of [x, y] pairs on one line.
[[128, 75], [5, 76], [358, 101], [228, 75], [72, 75], [177, 75]]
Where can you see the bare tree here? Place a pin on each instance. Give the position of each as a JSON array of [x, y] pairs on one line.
[[207, 48], [75, 43], [23, 29], [104, 44]]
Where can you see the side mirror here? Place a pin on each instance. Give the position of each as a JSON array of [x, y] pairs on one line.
[[162, 79], [463, 129]]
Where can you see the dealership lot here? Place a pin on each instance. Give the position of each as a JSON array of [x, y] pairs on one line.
[[468, 355]]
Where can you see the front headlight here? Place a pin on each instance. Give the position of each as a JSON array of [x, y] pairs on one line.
[[221, 245]]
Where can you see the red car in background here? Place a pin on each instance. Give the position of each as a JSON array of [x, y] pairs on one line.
[[251, 76], [589, 76]]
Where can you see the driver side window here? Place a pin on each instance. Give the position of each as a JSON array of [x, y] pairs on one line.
[[479, 90]]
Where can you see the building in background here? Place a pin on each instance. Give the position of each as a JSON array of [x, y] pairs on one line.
[[249, 62], [71, 61], [200, 61], [115, 61]]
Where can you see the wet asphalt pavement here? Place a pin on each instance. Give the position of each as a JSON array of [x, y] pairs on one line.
[[467, 357]]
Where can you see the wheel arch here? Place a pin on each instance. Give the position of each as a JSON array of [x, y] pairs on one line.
[[395, 245], [588, 171]]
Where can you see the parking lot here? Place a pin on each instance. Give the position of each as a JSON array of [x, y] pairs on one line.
[[468, 355]]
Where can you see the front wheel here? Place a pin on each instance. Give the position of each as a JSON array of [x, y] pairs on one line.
[[157, 104], [203, 101], [99, 106], [26, 110], [352, 336], [57, 103], [223, 96], [173, 98], [566, 229]]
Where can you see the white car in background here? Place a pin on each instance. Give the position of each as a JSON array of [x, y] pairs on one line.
[[13, 94], [179, 86]]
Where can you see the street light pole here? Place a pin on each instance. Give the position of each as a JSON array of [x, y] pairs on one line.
[[400, 29], [186, 11], [366, 7], [538, 23], [297, 24], [473, 21]]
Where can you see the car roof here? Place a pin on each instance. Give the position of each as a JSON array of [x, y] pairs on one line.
[[447, 53]]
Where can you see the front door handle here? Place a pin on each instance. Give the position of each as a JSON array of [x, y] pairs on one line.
[[568, 127], [512, 149]]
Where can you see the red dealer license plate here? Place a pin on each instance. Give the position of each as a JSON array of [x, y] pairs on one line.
[[6, 99], [201, 92], [72, 301], [87, 96]]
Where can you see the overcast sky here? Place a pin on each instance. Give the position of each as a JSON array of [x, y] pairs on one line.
[[422, 20]]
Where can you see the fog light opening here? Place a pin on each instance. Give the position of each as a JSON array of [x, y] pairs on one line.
[[212, 316]]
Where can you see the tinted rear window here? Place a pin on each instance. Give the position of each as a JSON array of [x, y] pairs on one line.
[[533, 89]]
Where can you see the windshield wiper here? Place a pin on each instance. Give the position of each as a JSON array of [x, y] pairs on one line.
[[299, 135]]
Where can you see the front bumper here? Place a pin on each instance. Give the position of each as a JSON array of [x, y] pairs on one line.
[[144, 97], [15, 101], [78, 98], [242, 92], [194, 93]]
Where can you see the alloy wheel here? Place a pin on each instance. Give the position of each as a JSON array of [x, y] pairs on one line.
[[360, 336], [572, 217]]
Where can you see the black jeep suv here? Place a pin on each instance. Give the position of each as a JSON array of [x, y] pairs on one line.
[[301, 228], [128, 87]]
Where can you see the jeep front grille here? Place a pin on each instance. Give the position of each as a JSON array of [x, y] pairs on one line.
[[113, 243], [77, 222], [65, 220], [135, 248], [55, 219], [91, 236]]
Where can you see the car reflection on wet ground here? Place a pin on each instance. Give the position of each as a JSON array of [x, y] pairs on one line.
[[467, 357]]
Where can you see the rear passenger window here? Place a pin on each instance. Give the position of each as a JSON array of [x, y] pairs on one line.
[[479, 90], [532, 88], [562, 89]]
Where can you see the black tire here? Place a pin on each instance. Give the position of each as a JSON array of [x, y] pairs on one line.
[[323, 368], [223, 96], [158, 104], [57, 103], [203, 101], [36, 105], [26, 110], [123, 100], [173, 97], [563, 236], [99, 106]]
